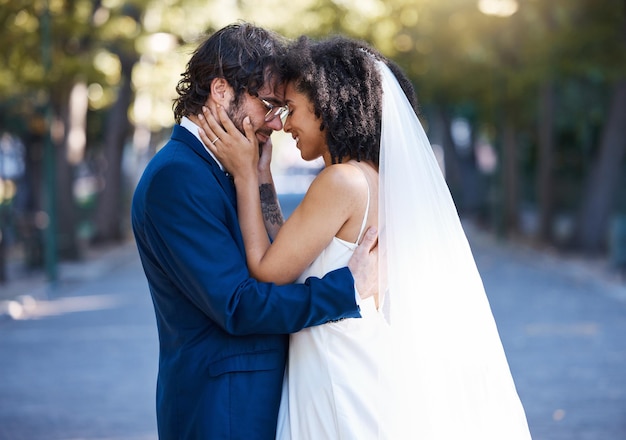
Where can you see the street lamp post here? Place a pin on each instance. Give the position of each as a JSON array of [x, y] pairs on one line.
[[50, 255]]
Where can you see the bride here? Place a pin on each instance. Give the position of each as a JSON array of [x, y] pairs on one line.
[[425, 361]]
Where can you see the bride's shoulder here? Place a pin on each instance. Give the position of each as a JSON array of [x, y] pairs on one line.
[[339, 176], [343, 181]]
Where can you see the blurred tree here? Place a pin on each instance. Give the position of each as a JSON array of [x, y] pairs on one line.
[[532, 84], [543, 56], [604, 43], [119, 33], [468, 63], [72, 43], [22, 98]]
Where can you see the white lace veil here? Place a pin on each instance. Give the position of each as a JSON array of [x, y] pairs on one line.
[[450, 371]]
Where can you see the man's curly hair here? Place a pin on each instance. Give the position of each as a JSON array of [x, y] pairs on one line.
[[243, 54], [340, 77]]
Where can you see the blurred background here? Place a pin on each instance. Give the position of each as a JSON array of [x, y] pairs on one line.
[[523, 100]]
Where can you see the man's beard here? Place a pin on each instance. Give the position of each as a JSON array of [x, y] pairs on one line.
[[237, 115]]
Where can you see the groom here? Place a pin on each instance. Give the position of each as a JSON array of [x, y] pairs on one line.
[[223, 336]]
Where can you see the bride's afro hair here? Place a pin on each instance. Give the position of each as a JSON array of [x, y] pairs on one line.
[[340, 77]]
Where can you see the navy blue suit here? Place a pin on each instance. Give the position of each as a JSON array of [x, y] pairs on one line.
[[223, 335]]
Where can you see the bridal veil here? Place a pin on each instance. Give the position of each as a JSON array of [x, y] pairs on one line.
[[451, 376]]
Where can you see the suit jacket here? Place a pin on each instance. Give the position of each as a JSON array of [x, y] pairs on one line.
[[223, 336]]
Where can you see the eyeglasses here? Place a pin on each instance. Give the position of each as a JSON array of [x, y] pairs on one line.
[[274, 111]]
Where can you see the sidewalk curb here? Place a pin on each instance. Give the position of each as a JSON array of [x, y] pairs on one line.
[[20, 295], [575, 267]]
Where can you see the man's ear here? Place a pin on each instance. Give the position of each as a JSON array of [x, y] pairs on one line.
[[221, 92]]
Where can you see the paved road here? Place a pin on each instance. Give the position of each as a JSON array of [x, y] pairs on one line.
[[82, 363], [563, 326]]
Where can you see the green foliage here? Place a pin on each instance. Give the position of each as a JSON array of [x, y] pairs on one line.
[[477, 65], [452, 51]]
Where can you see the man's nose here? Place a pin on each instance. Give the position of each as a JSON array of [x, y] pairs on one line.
[[275, 124]]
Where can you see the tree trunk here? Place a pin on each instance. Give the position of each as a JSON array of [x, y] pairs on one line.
[[599, 195], [3, 246], [510, 177], [66, 207], [28, 224], [545, 194], [451, 159], [110, 211]]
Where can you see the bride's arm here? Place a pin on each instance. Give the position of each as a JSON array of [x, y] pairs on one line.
[[328, 204], [325, 208]]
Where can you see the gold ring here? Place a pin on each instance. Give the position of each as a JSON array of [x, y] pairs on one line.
[[215, 140]]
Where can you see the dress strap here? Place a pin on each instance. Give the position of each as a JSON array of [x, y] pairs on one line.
[[367, 207]]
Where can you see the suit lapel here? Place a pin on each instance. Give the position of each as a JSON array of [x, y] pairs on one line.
[[225, 183]]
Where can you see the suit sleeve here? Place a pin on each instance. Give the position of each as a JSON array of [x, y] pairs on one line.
[[196, 244]]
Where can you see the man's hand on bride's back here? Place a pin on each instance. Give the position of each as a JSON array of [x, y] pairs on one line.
[[364, 265]]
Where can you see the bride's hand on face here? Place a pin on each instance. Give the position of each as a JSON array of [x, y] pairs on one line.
[[238, 153]]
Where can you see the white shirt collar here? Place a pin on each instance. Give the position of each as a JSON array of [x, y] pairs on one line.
[[193, 128]]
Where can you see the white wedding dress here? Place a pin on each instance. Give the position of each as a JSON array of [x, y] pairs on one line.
[[335, 384]]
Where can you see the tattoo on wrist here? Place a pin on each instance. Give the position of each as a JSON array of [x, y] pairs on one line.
[[269, 204]]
